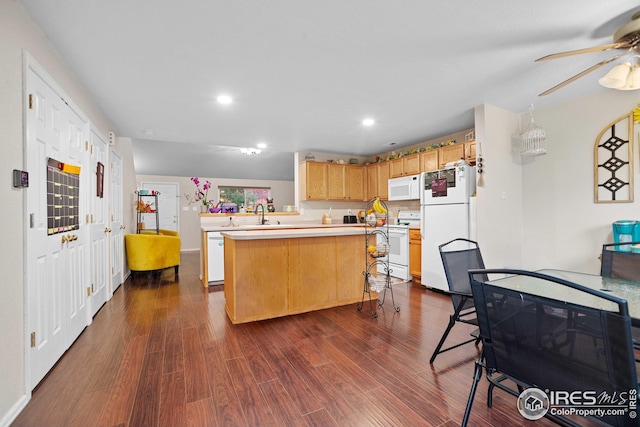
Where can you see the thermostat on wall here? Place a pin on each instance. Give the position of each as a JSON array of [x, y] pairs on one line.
[[20, 178]]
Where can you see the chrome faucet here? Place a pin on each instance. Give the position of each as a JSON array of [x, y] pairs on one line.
[[262, 221]]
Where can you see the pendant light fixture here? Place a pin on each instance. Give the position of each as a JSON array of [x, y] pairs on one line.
[[624, 76], [533, 139]]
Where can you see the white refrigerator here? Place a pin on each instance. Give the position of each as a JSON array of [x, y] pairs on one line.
[[444, 211]]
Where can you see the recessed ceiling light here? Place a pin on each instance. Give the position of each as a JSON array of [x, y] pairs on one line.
[[148, 132], [261, 145], [368, 122], [224, 99]]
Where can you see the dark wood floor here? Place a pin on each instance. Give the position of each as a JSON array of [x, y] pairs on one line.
[[162, 352]]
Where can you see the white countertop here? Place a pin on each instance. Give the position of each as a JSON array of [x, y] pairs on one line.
[[274, 226], [292, 233]]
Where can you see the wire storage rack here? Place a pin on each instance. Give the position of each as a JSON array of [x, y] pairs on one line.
[[377, 276]]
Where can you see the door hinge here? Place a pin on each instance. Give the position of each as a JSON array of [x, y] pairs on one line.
[[33, 339], [88, 291], [30, 101], [31, 220], [86, 146], [93, 287]]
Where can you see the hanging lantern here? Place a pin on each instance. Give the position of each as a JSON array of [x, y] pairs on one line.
[[533, 139]]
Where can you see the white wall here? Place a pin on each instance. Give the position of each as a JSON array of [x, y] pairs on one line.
[[548, 218], [563, 227], [499, 203], [17, 33]]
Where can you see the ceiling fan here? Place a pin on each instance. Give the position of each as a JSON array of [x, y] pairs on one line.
[[626, 37]]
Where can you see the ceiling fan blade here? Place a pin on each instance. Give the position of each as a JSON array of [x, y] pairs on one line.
[[602, 48], [583, 73]]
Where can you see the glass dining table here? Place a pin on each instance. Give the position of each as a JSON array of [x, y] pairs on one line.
[[624, 289]]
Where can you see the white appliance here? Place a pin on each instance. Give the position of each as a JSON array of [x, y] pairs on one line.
[[399, 243], [404, 188], [444, 209], [215, 255]]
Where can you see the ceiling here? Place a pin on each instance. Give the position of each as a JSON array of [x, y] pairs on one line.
[[304, 73]]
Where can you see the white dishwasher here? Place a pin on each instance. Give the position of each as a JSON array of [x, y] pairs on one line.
[[215, 250]]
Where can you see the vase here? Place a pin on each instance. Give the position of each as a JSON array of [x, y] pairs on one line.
[[204, 209]]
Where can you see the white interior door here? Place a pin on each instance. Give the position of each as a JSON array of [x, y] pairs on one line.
[[117, 223], [167, 205], [55, 264], [99, 220]]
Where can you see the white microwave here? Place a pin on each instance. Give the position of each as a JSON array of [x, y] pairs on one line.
[[405, 188]]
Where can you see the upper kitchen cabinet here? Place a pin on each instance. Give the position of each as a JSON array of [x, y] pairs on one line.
[[356, 183], [429, 161], [325, 181], [470, 152], [372, 181], [314, 181], [337, 182], [346, 182], [383, 180], [450, 153], [407, 165]]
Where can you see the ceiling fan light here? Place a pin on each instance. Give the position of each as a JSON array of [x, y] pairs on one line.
[[617, 77], [633, 80]]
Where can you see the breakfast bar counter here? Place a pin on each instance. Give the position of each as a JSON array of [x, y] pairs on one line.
[[273, 273]]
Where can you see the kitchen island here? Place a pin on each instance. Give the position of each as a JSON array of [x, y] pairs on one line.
[[274, 273], [211, 250]]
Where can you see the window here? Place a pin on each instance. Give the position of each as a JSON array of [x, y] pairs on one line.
[[241, 196]]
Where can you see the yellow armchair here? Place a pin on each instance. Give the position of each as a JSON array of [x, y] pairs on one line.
[[149, 251]]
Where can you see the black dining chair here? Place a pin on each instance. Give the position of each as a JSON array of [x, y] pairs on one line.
[[533, 340], [458, 257], [620, 264]]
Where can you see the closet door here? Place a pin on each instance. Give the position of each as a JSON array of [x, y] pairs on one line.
[[98, 219], [57, 252]]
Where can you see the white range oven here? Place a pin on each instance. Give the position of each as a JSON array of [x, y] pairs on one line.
[[399, 243]]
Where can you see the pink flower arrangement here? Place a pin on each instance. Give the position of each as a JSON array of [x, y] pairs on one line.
[[201, 193]]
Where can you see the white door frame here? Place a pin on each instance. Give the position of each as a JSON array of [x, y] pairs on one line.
[[116, 219], [99, 222], [176, 203]]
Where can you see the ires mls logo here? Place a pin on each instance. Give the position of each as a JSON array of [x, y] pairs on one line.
[[534, 403]]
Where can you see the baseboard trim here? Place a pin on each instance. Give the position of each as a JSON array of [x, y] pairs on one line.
[[15, 410]]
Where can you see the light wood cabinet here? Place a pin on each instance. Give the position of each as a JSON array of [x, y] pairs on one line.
[[415, 255], [268, 278], [470, 152], [411, 164], [383, 180], [429, 161], [407, 165], [450, 153], [324, 181], [313, 181], [372, 181], [355, 183], [337, 185], [346, 182]]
